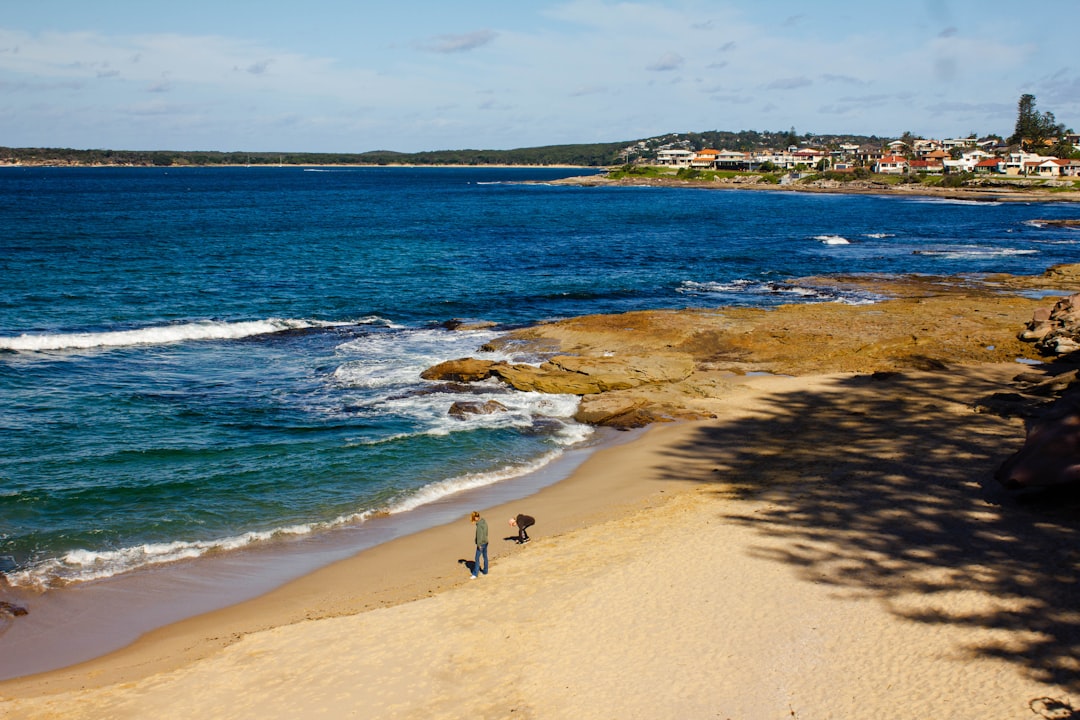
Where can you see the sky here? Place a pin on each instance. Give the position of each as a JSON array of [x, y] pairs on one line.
[[415, 75]]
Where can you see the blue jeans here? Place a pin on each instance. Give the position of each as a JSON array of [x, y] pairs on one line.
[[481, 551]]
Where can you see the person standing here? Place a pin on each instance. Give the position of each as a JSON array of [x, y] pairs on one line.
[[481, 544], [522, 523]]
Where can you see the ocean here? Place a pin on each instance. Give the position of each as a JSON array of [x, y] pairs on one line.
[[195, 362]]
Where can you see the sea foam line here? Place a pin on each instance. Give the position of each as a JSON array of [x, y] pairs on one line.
[[82, 565], [158, 335]]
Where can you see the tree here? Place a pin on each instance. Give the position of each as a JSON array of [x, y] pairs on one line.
[[1027, 119], [1033, 128]]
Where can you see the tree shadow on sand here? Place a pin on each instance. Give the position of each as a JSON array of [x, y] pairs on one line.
[[883, 486]]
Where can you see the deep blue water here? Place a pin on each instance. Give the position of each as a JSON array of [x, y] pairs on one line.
[[195, 359]]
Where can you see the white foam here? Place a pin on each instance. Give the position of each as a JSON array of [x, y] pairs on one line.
[[879, 236], [86, 565], [754, 287], [158, 335], [832, 239], [436, 491], [975, 252]]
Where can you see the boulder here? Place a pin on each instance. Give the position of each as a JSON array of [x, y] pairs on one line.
[[1055, 331], [461, 370], [1051, 452], [465, 325], [462, 408]]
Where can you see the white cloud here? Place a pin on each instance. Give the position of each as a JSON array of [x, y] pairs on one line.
[[459, 43], [667, 62]]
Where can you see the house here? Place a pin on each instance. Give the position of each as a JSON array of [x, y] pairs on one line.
[[704, 159], [1021, 163], [674, 157], [923, 148], [898, 147], [1056, 167], [891, 165], [868, 155], [809, 157], [733, 160], [990, 165], [953, 143], [922, 165]]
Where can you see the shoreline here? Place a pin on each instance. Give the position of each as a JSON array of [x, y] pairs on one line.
[[724, 573], [400, 570], [116, 611], [996, 191]]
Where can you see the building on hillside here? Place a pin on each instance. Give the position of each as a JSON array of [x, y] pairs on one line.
[[868, 155], [923, 148], [809, 157], [733, 160], [990, 165], [891, 165], [930, 167], [953, 143], [704, 159], [674, 157], [1021, 163], [1057, 167]]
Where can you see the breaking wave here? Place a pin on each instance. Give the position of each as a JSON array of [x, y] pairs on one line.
[[158, 335], [755, 290]]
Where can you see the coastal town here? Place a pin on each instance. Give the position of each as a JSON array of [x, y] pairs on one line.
[[990, 156]]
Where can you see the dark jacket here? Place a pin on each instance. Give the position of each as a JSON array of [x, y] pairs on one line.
[[524, 521], [481, 532]]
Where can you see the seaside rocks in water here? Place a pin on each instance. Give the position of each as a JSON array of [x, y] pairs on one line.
[[461, 370], [458, 324], [463, 408], [1055, 331]]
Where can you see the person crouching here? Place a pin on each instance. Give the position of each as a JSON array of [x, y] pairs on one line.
[[522, 523]]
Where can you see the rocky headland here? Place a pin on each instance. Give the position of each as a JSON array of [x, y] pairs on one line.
[[644, 367], [980, 189]]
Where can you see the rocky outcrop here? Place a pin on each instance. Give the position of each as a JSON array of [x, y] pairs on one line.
[[637, 368], [569, 374], [592, 375], [463, 370], [1056, 330]]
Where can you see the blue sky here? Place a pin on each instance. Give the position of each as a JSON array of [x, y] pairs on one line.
[[321, 76]]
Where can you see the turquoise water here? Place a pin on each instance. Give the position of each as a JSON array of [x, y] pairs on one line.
[[197, 360]]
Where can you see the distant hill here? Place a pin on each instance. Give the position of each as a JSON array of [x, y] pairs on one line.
[[586, 155]]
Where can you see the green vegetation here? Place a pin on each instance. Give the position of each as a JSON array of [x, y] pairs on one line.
[[594, 155], [639, 171], [1033, 128]]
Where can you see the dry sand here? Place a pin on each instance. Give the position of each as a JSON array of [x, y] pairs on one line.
[[827, 547]]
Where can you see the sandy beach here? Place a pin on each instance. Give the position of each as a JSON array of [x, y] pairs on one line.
[[828, 546]]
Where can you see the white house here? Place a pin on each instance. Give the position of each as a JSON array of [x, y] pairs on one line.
[[891, 165], [1021, 163], [674, 157]]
